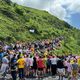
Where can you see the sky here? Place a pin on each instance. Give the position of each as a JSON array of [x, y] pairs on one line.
[[67, 10]]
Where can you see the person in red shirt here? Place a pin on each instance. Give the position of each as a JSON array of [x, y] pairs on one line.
[[41, 66]]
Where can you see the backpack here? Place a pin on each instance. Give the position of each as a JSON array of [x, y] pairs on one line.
[[48, 62], [74, 66]]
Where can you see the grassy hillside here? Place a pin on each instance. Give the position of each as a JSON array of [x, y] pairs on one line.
[[16, 22]]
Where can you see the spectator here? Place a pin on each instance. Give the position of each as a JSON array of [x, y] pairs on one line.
[[13, 68], [21, 65]]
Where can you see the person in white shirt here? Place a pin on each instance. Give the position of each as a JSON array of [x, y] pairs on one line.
[[5, 65], [53, 65]]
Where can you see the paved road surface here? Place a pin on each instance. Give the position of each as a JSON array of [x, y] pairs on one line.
[[8, 77]]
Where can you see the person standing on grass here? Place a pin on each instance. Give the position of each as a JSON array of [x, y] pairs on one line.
[[21, 66]]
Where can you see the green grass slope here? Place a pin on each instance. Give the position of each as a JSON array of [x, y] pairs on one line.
[[16, 21]]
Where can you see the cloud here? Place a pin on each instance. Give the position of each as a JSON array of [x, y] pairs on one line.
[[58, 11], [39, 4], [21, 2], [74, 6], [63, 9]]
